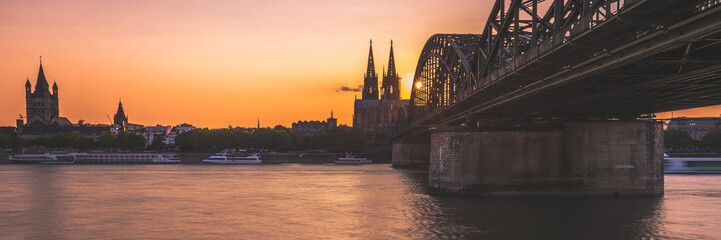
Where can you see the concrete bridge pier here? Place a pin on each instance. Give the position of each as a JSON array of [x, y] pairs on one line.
[[411, 153], [594, 158]]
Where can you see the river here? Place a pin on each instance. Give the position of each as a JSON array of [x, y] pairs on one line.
[[324, 201]]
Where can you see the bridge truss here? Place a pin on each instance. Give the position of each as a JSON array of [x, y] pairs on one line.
[[574, 55]]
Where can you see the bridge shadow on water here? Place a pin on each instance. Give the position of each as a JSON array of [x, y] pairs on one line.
[[442, 216]]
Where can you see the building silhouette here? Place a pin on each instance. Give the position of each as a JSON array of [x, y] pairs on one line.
[[43, 112], [388, 113], [391, 82], [120, 119], [313, 127], [42, 106], [370, 78]]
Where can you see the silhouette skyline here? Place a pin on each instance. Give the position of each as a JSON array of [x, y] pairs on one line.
[[218, 63]]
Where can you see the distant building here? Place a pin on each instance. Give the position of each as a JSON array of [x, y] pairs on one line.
[[390, 111], [43, 112], [153, 132], [313, 127], [177, 130], [696, 127], [42, 106], [120, 119]]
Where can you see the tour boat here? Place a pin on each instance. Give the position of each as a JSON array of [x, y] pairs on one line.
[[350, 159], [691, 164], [232, 158], [95, 158]]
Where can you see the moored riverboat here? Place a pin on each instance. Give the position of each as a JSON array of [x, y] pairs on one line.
[[96, 158], [691, 164], [350, 159], [232, 158]]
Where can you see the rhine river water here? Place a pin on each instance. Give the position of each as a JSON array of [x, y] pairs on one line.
[[324, 201]]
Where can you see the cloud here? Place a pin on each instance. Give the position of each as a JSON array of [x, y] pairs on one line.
[[349, 89]]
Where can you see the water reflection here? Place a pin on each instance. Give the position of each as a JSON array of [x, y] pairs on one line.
[[530, 217], [323, 201]]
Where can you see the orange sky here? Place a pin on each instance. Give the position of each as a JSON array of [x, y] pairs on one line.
[[216, 63]]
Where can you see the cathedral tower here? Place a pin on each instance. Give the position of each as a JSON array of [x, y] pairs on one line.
[[370, 80], [391, 88], [41, 106]]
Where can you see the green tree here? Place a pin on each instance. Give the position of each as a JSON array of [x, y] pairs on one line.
[[712, 140], [107, 140], [213, 140], [9, 140], [275, 139], [157, 143], [130, 141], [675, 138]]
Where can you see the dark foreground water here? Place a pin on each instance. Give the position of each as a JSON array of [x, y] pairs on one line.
[[293, 201]]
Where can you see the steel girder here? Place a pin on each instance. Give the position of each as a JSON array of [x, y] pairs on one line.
[[444, 71], [453, 66]]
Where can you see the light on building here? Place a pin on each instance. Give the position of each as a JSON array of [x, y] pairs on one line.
[[419, 85]]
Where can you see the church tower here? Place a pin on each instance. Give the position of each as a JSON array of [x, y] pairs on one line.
[[42, 107], [391, 88], [120, 119], [370, 79]]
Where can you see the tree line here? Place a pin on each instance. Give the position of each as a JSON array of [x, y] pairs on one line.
[[75, 140], [676, 140], [279, 138]]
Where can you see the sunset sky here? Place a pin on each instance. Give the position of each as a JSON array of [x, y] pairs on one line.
[[217, 63]]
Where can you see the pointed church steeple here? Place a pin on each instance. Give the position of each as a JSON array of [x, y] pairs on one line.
[[371, 69], [370, 79], [120, 119], [391, 85], [391, 63], [42, 83], [120, 111]]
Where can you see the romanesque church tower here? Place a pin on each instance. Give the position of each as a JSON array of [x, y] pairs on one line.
[[120, 119], [391, 87], [41, 105], [370, 80]]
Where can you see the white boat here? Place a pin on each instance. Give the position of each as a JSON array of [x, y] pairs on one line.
[[230, 158], [350, 159], [46, 158], [96, 158], [691, 164]]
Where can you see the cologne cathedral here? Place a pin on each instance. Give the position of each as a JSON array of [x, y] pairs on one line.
[[388, 113]]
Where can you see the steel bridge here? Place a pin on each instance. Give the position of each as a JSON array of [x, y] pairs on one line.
[[577, 59]]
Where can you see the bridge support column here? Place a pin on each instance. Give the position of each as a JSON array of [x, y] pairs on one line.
[[580, 158], [411, 154]]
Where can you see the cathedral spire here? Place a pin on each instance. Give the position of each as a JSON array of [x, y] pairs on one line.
[[391, 63], [391, 85], [371, 69], [370, 79]]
